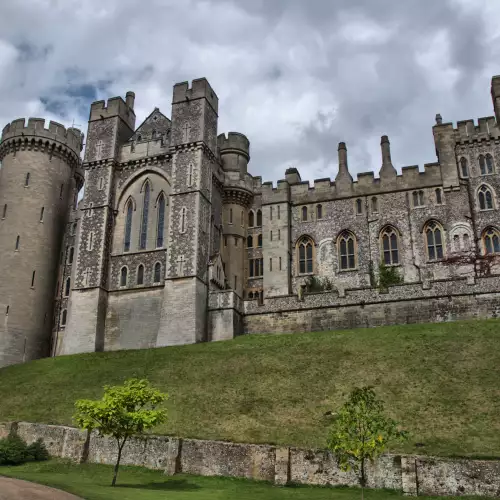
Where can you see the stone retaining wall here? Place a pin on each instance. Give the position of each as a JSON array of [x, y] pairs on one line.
[[414, 475]]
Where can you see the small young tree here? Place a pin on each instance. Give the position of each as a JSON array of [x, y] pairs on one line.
[[361, 432], [123, 411]]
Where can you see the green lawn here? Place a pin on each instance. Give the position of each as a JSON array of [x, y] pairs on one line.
[[441, 381], [135, 483]]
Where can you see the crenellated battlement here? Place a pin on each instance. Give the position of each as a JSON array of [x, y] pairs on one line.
[[115, 106], [468, 130], [36, 130], [200, 89], [234, 142]]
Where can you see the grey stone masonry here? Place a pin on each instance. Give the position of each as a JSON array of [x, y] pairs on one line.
[[176, 242], [412, 474]]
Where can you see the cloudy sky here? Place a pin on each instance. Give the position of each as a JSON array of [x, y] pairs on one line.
[[295, 76]]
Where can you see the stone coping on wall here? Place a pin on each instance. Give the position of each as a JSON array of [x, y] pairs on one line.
[[412, 474], [362, 296]]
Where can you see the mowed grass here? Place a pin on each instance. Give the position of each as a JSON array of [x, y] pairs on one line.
[[440, 381], [92, 482]]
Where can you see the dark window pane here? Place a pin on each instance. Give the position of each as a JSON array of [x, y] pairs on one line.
[[439, 251], [343, 262], [387, 257], [309, 249], [395, 257], [489, 201], [302, 252], [145, 215], [343, 247], [309, 266], [432, 254], [487, 242], [430, 238], [385, 241], [350, 246], [352, 263], [437, 236], [496, 244]]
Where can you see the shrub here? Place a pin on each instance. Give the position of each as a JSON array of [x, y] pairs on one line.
[[37, 451], [15, 451]]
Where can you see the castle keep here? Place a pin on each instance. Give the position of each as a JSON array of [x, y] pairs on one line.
[[175, 242]]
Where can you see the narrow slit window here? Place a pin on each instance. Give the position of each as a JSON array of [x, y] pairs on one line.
[[123, 276], [259, 218], [359, 206], [140, 275], [33, 279], [71, 255], [304, 214], [41, 213], [280, 263], [145, 217], [270, 264], [67, 287], [464, 167], [161, 222], [270, 213], [157, 275], [61, 191], [64, 317], [251, 218], [439, 198], [18, 241], [4, 213], [27, 179], [250, 242], [128, 226], [319, 211], [374, 205], [230, 216], [259, 241], [7, 311]]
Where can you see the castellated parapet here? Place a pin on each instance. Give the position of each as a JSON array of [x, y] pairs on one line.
[[39, 182], [175, 241]]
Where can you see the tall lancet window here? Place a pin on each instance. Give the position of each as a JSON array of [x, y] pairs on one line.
[[128, 226], [145, 215], [161, 221]]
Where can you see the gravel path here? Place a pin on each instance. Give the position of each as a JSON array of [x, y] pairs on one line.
[[14, 489]]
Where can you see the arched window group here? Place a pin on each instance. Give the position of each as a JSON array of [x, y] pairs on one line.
[[347, 251], [140, 275], [486, 164], [255, 220], [485, 198], [390, 246], [434, 239], [491, 240], [305, 249], [418, 198]]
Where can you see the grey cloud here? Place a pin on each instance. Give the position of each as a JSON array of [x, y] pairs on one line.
[[296, 77]]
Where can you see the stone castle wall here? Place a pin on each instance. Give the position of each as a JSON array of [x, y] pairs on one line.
[[414, 475]]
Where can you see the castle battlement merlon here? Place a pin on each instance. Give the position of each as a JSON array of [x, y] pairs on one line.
[[278, 194], [36, 131], [200, 89], [468, 131], [234, 142], [115, 106]]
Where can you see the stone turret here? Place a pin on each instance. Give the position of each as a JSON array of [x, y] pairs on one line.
[[39, 181], [344, 178], [387, 170]]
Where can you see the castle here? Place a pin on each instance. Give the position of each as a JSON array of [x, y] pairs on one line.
[[175, 242]]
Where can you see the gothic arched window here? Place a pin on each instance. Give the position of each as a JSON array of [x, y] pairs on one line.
[[319, 211], [250, 242], [251, 218], [304, 214], [183, 219], [71, 255], [123, 276], [259, 218], [390, 250], [64, 316], [145, 215], [67, 287], [491, 240], [464, 167], [439, 196], [128, 226], [359, 206], [157, 273], [160, 221], [485, 198], [140, 275], [489, 164], [347, 250], [434, 240], [305, 254], [259, 241]]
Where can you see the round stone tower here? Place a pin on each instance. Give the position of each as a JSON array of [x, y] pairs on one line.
[[40, 176], [238, 195]]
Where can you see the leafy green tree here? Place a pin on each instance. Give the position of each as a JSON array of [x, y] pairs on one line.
[[122, 412], [361, 432]]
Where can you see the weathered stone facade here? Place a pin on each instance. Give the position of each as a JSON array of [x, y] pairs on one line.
[[412, 474], [176, 242]]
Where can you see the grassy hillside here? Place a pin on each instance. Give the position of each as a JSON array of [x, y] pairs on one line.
[[442, 382]]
